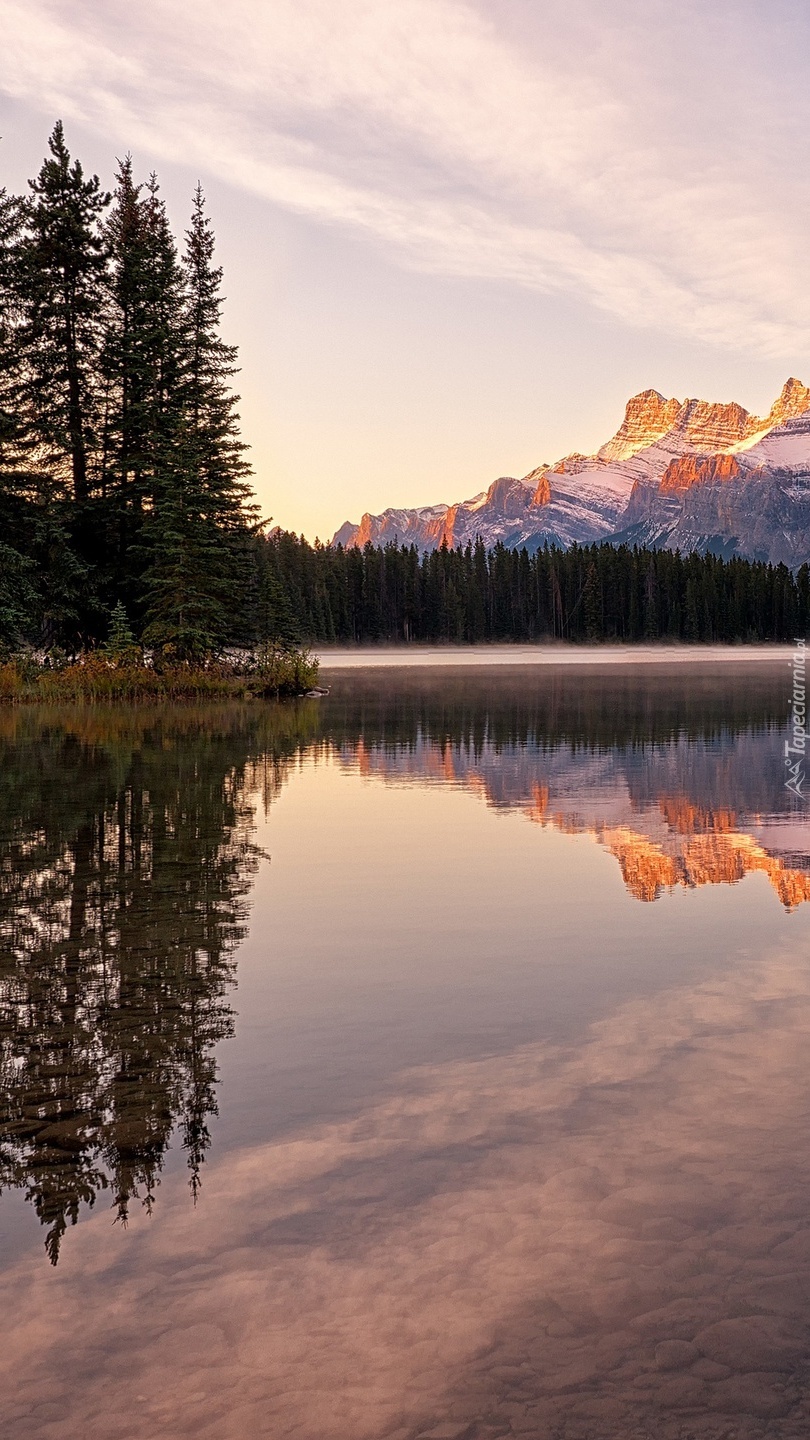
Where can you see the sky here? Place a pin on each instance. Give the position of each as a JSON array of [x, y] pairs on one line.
[[456, 235]]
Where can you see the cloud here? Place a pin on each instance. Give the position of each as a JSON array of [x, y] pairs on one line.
[[593, 156]]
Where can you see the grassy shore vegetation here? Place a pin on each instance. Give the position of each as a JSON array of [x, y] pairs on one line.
[[131, 550], [270, 673]]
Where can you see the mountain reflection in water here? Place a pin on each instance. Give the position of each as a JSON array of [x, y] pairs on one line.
[[595, 1227], [682, 780]]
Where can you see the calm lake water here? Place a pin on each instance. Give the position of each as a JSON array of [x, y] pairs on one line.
[[432, 1059]]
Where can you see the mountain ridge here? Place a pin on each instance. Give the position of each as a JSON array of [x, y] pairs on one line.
[[682, 474]]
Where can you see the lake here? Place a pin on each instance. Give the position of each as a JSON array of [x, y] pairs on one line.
[[428, 1059]]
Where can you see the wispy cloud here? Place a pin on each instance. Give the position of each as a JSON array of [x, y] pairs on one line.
[[594, 155]]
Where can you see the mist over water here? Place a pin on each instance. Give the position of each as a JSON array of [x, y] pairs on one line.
[[425, 1059]]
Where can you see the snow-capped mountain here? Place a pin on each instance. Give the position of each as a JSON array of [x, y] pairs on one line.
[[689, 475]]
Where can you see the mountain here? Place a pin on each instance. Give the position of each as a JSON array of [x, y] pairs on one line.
[[682, 474], [699, 812]]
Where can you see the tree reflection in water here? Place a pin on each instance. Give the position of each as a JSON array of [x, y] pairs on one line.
[[126, 857]]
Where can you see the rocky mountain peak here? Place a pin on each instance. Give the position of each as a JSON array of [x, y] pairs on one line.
[[713, 425], [507, 496], [647, 417], [793, 400]]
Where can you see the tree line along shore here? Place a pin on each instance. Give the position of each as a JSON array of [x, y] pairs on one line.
[[133, 558], [324, 594]]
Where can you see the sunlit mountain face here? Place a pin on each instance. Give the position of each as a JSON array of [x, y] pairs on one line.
[[688, 475]]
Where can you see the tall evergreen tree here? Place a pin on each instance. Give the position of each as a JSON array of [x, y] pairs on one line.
[[218, 452], [143, 364], [273, 619], [63, 271], [199, 519], [43, 584], [18, 599], [13, 413], [125, 368]]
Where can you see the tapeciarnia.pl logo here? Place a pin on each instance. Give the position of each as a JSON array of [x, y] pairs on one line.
[[796, 746]]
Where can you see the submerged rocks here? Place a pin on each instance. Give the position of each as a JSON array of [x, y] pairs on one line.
[[752, 1343], [675, 1354]]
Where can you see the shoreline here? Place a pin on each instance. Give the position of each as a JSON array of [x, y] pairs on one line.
[[401, 657]]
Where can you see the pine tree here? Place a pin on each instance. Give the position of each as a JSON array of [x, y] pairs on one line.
[[62, 283], [18, 597], [199, 520], [143, 364], [274, 621], [165, 339], [120, 646], [592, 604], [126, 369], [219, 453], [188, 610], [13, 412], [651, 600]]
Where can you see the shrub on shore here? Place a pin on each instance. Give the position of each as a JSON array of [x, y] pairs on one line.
[[99, 675]]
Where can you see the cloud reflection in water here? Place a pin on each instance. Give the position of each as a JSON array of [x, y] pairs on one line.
[[614, 1231]]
